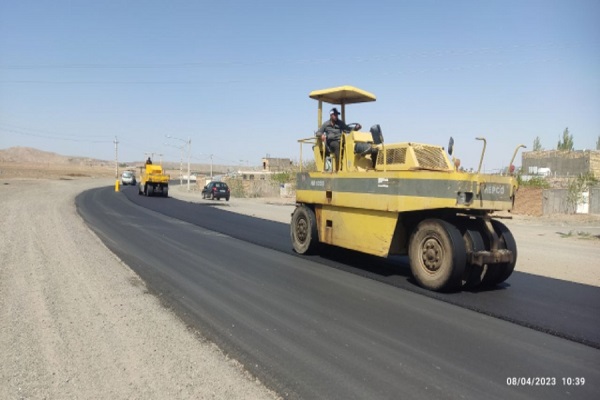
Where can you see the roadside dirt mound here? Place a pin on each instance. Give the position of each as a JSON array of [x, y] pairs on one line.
[[528, 201], [30, 163], [19, 170], [30, 155]]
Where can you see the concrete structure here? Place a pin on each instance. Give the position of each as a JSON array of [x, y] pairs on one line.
[[276, 164], [594, 201], [558, 201], [252, 175], [561, 163]]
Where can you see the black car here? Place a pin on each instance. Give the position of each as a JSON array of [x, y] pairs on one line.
[[216, 190]]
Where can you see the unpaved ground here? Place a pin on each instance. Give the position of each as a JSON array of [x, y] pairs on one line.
[[75, 323]]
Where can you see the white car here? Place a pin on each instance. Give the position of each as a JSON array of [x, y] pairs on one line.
[[128, 178]]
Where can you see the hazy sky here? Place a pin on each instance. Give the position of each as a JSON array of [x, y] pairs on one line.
[[234, 76]]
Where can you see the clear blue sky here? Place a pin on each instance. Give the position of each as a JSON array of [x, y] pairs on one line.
[[234, 76]]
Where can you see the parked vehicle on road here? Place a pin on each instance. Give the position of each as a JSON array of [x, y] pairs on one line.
[[216, 190]]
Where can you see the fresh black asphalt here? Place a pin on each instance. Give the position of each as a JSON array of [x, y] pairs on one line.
[[315, 327], [566, 309]]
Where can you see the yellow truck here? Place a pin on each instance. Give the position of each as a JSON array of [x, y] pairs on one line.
[[153, 180], [404, 198]]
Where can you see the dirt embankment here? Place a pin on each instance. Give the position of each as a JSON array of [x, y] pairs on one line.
[[76, 323], [528, 201]]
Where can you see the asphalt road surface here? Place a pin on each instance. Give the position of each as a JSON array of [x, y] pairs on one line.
[[345, 325]]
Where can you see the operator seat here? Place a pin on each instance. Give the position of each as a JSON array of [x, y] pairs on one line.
[[364, 149], [376, 133]]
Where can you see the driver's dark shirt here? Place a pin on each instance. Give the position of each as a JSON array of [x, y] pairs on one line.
[[333, 131]]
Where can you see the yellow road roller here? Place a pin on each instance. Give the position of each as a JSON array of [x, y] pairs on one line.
[[404, 198]]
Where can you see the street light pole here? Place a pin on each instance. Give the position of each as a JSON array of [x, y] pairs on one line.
[[116, 142], [189, 156], [189, 144], [181, 167], [181, 150]]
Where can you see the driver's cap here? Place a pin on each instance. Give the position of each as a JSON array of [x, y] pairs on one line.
[[334, 111]]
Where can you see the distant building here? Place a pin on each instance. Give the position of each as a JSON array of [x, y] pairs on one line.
[[276, 164], [561, 163], [250, 175], [270, 166]]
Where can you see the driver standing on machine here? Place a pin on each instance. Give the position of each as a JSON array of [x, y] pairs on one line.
[[331, 132]]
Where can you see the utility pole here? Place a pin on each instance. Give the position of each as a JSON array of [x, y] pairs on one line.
[[116, 142], [189, 155], [211, 167]]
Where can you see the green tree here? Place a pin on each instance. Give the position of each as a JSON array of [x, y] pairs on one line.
[[598, 143], [567, 141], [577, 186], [283, 177], [537, 144]]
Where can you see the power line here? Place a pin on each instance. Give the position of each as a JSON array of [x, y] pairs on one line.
[[53, 136], [262, 62], [390, 71], [227, 82]]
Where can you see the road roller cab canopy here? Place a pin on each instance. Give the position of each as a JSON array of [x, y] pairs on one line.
[[341, 95]]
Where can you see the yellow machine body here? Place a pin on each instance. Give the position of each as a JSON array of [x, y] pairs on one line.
[[153, 180], [381, 199]]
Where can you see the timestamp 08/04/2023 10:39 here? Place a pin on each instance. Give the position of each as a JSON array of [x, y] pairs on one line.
[[544, 381]]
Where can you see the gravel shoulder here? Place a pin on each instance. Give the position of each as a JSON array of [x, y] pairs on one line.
[[75, 322]]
